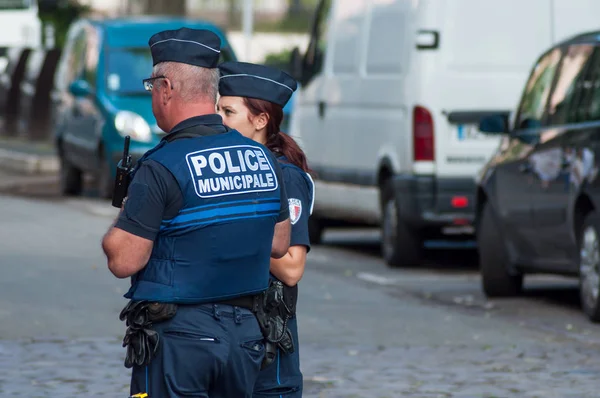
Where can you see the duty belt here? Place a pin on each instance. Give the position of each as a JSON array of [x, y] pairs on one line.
[[248, 302]]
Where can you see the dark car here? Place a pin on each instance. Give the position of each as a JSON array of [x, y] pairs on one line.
[[538, 197], [98, 96]]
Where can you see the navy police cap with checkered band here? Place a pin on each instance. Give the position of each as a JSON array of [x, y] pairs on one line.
[[242, 79], [197, 47]]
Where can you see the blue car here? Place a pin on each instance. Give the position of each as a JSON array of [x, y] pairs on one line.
[[98, 96]]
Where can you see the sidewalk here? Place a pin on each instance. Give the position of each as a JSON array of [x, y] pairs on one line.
[[28, 157]]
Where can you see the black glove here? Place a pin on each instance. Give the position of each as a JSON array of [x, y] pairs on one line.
[[140, 340]]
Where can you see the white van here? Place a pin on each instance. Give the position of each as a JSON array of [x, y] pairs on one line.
[[392, 93]]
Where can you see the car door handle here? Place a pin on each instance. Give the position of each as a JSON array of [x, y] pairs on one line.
[[322, 106]]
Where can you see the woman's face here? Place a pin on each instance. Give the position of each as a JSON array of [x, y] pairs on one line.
[[236, 115]]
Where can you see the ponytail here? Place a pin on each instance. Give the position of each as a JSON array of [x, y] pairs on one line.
[[278, 142]]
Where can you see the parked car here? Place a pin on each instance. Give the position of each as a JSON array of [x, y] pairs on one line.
[[538, 197], [99, 98]]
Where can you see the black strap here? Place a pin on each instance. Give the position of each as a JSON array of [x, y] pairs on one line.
[[247, 302]]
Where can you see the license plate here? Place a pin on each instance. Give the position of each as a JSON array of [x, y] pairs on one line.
[[468, 132]]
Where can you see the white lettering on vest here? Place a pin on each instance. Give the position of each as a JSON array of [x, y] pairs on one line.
[[231, 170]]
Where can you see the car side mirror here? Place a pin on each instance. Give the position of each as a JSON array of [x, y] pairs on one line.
[[80, 88], [296, 64], [493, 124]]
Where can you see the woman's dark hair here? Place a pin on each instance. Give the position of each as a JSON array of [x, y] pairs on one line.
[[278, 142]]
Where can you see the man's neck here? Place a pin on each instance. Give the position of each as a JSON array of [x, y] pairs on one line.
[[192, 110]]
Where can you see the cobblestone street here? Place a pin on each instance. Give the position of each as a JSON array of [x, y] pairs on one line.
[[543, 370]]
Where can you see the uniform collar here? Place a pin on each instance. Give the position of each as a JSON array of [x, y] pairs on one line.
[[213, 120]]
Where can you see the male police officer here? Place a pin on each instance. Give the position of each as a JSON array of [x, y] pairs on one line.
[[205, 211]]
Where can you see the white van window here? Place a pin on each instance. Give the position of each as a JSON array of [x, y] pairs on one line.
[[537, 90], [346, 46], [387, 56], [569, 83]]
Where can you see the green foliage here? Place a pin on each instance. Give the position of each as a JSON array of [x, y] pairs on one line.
[[279, 60], [298, 22], [61, 19]]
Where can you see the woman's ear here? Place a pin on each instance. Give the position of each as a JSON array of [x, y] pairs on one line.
[[261, 121]]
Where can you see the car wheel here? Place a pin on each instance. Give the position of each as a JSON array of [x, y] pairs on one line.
[[494, 262], [70, 178], [315, 230], [589, 267], [106, 183], [401, 245]]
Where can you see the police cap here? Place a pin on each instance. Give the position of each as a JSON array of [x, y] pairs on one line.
[[197, 47], [242, 79]]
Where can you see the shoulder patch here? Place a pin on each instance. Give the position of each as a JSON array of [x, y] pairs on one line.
[[295, 209]]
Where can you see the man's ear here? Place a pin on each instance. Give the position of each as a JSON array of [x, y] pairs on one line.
[[260, 121], [166, 90]]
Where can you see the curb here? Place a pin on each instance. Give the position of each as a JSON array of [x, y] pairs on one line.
[[25, 163]]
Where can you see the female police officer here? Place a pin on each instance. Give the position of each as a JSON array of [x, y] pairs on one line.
[[252, 101]]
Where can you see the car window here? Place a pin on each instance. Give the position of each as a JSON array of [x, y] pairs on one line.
[[537, 90], [590, 103], [567, 92], [92, 51], [126, 68], [76, 59]]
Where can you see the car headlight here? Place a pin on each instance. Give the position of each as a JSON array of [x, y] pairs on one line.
[[131, 124]]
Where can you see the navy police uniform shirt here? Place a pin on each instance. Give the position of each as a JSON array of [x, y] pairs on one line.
[[154, 194], [300, 191]]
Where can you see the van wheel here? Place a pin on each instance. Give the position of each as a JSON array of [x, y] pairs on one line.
[[493, 259], [400, 244], [315, 230], [105, 181], [70, 178], [589, 266]]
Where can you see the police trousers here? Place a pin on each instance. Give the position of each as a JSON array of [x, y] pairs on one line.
[[282, 378], [209, 350]]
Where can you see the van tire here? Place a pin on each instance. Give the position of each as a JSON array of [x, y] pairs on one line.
[[401, 245], [494, 262], [70, 178], [315, 230]]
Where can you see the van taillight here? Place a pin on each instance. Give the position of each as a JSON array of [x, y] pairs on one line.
[[422, 135]]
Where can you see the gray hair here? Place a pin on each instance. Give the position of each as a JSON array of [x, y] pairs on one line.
[[191, 82]]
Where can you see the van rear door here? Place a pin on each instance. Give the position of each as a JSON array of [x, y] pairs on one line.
[[486, 51]]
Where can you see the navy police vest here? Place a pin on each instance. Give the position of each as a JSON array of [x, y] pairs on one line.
[[219, 245]]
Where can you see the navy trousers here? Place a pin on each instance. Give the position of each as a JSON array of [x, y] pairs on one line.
[[282, 378], [204, 351]]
